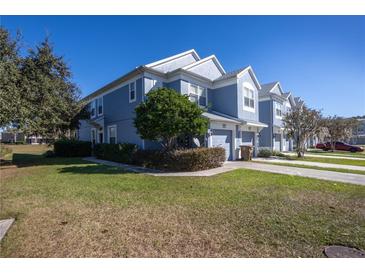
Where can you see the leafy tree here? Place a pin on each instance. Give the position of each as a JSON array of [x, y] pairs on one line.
[[338, 129], [12, 106], [301, 123], [166, 115], [52, 98]]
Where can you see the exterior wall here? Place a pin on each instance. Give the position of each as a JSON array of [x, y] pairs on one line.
[[241, 113], [224, 99], [207, 69], [175, 64], [266, 136], [176, 85]]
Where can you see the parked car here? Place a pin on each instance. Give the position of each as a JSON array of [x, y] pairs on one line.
[[339, 146]]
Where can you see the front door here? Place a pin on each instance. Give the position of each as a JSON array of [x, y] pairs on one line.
[[101, 137]]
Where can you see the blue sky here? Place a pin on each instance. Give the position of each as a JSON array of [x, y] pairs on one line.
[[321, 59]]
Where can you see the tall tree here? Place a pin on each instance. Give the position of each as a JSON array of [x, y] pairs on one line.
[[301, 123], [12, 106], [338, 129], [53, 99], [166, 115]]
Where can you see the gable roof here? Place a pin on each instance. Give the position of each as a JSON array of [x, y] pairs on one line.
[[206, 59], [176, 56], [238, 73]]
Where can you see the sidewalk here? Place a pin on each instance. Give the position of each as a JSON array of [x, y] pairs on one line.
[[232, 165], [306, 163]]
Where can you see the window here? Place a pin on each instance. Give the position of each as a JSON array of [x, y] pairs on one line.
[[198, 95], [132, 92], [93, 109], [112, 134], [248, 98], [278, 107], [100, 106]]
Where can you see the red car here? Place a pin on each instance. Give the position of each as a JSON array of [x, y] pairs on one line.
[[339, 146]]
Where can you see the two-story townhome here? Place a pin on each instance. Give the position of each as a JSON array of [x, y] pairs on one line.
[[274, 103], [230, 102]]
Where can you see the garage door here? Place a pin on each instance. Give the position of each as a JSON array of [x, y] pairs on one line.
[[223, 138]]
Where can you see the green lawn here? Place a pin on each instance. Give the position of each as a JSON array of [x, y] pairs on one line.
[[337, 153], [319, 168], [71, 208], [328, 160]]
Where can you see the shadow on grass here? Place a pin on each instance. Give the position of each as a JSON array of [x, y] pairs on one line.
[[27, 160], [94, 169]]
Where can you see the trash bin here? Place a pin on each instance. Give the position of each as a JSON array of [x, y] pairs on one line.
[[246, 153]]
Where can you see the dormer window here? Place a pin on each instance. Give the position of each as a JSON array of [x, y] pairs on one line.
[[278, 111], [248, 98], [198, 95]]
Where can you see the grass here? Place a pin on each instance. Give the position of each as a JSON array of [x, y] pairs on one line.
[[349, 161], [343, 170], [71, 208], [337, 153]]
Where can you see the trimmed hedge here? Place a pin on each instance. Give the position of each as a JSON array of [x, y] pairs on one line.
[[122, 153], [181, 160], [72, 148], [265, 153]]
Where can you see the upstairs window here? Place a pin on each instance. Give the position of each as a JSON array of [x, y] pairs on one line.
[[132, 92], [112, 134], [278, 111], [100, 106], [93, 109], [248, 98], [198, 95]]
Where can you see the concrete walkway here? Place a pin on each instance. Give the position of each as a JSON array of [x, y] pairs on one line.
[[325, 156], [306, 163], [232, 165], [4, 226]]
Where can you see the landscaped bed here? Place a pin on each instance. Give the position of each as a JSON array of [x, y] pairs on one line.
[[65, 207]]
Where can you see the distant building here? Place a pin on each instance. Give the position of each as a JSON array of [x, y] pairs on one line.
[[358, 133], [11, 137]]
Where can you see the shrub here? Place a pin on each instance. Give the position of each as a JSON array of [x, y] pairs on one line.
[[278, 153], [181, 160], [264, 152], [49, 154], [4, 150], [122, 153], [72, 148]]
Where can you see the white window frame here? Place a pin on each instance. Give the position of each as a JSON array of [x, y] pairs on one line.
[[278, 106], [248, 88], [102, 105], [204, 91], [116, 133], [130, 92], [93, 106]]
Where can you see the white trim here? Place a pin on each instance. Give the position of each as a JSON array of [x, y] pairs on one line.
[[249, 68], [116, 133], [171, 58], [135, 92], [202, 61]]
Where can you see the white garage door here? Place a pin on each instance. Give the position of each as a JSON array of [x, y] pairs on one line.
[[223, 138]]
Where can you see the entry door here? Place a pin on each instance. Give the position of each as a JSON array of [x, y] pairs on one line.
[[223, 138]]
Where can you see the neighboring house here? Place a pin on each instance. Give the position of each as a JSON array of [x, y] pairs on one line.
[[358, 133], [11, 137], [230, 101], [274, 103]]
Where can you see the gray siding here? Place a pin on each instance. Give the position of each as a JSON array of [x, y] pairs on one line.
[[224, 99], [243, 114], [265, 110], [207, 69], [175, 64]]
